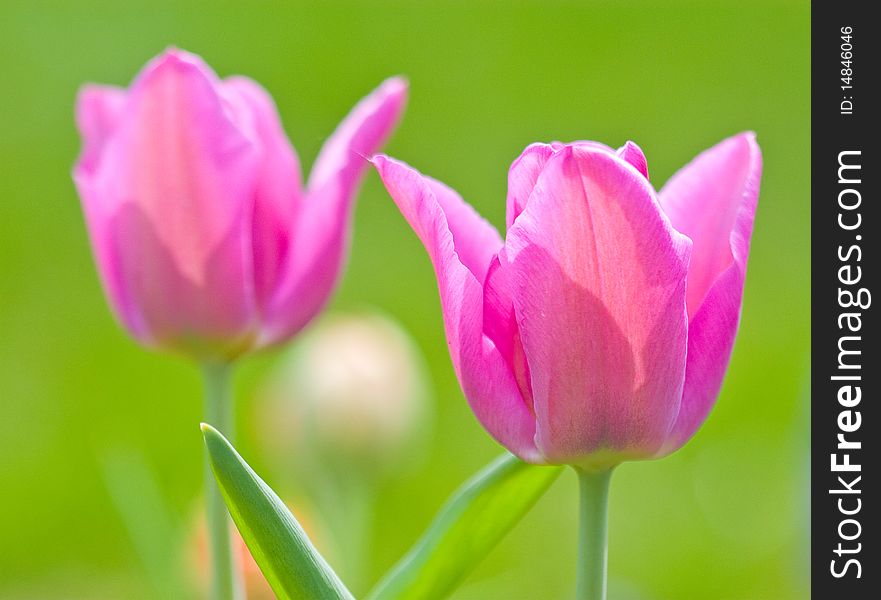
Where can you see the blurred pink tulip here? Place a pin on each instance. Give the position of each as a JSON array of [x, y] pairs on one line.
[[206, 241], [600, 329]]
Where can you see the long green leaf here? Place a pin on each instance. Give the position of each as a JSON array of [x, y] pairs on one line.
[[472, 522], [289, 561]]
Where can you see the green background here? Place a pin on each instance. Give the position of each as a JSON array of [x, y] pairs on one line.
[[726, 517]]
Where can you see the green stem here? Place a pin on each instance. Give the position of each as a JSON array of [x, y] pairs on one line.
[[225, 583], [593, 534]]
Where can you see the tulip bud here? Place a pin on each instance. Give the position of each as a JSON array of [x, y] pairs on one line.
[[205, 238]]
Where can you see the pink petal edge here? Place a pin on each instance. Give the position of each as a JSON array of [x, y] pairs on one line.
[[323, 218], [461, 246], [714, 199]]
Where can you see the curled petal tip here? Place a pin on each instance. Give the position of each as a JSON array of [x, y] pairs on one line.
[[175, 54], [397, 85], [88, 91], [748, 137], [363, 155], [91, 105], [391, 93], [633, 154], [388, 165], [176, 60], [97, 110], [394, 91]]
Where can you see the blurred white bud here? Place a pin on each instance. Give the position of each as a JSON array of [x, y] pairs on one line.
[[352, 392]]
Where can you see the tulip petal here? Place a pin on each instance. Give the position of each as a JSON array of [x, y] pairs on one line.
[[359, 136], [704, 201], [522, 176], [525, 170], [713, 201], [598, 278], [106, 252], [500, 325], [635, 156], [278, 190], [177, 179], [97, 111], [462, 246], [323, 221]]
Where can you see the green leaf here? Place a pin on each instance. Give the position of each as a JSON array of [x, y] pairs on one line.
[[289, 561], [472, 522]]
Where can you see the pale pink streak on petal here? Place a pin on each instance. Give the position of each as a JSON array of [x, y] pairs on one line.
[[177, 178], [278, 192], [635, 156], [461, 246], [598, 279], [713, 200], [323, 218]]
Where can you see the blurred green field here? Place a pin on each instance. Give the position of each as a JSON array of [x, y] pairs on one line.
[[725, 518]]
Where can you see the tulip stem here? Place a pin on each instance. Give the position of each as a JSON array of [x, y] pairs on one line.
[[593, 534], [219, 414]]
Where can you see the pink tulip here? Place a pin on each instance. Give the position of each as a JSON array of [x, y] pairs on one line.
[[600, 329], [205, 238]]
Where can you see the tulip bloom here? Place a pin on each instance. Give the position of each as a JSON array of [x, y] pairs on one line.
[[205, 238], [600, 329]]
